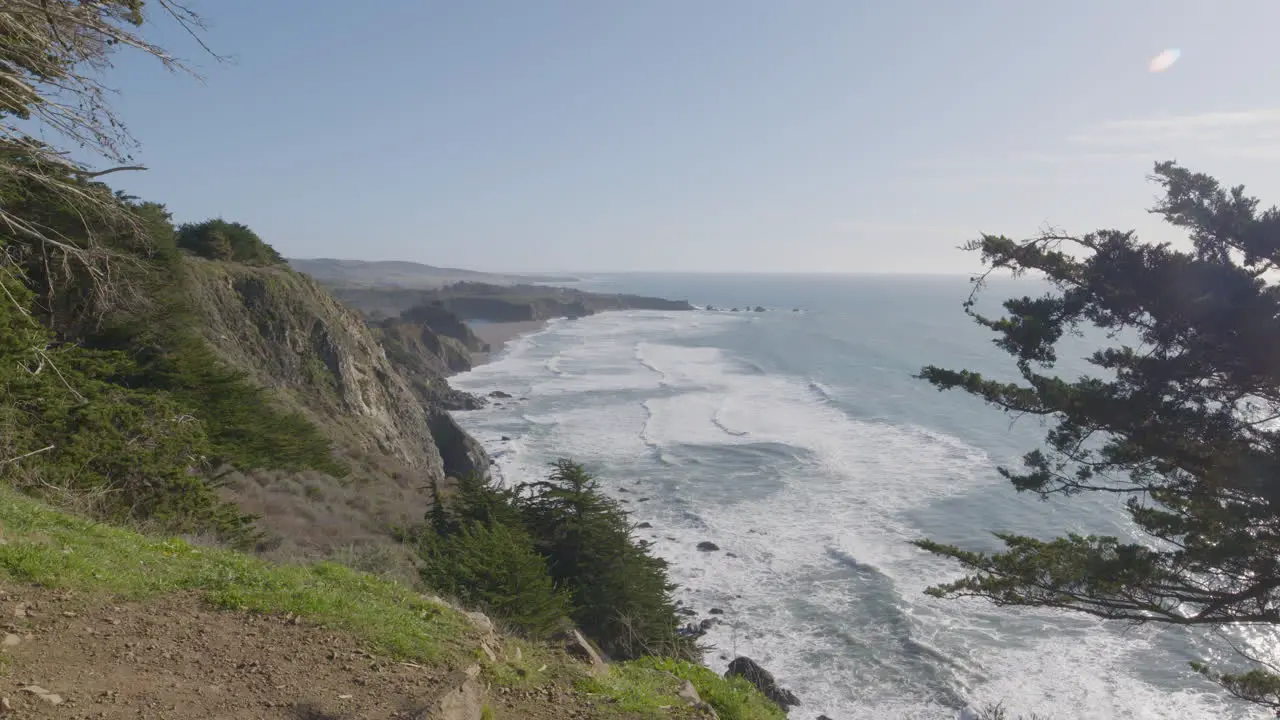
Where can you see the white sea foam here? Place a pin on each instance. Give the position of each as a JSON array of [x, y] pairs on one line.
[[816, 507]]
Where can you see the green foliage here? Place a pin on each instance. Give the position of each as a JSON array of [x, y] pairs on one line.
[[246, 430], [640, 691], [732, 698], [1178, 421], [132, 452], [53, 549], [217, 239], [619, 594], [107, 391], [495, 569]]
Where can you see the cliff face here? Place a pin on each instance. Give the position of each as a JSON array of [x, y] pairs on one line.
[[321, 359], [424, 358], [440, 320]]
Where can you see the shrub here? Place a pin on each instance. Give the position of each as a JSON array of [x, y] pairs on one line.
[[109, 396], [496, 569], [64, 429], [621, 593], [618, 593], [217, 239]]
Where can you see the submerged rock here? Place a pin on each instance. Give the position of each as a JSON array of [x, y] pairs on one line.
[[708, 546], [763, 680], [499, 394], [644, 525]]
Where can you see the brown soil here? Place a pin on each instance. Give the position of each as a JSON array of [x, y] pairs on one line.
[[177, 658]]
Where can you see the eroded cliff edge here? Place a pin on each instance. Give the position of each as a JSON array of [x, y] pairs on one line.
[[387, 419]]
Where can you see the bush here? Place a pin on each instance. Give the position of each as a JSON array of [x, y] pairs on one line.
[[246, 430], [218, 239], [496, 569], [64, 429], [619, 594], [109, 395]]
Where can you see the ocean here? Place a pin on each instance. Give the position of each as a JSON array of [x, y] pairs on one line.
[[801, 445]]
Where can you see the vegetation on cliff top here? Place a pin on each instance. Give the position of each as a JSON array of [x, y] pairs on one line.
[[1179, 422], [542, 552], [109, 391], [494, 303], [218, 239]]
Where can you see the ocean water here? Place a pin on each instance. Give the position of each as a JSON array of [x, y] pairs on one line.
[[800, 444]]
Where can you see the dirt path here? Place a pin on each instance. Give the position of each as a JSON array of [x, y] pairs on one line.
[[176, 658]]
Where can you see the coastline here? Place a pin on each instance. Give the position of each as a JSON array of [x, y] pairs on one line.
[[496, 335]]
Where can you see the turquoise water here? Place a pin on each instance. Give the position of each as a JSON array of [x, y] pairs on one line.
[[800, 444]]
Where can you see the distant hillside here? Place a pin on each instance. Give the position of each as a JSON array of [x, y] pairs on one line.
[[490, 302], [397, 273]]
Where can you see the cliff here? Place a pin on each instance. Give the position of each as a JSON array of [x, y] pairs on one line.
[[495, 303], [387, 419]]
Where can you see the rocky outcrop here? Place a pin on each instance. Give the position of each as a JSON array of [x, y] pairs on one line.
[[463, 700], [442, 321], [463, 456], [425, 359], [578, 646], [763, 680]]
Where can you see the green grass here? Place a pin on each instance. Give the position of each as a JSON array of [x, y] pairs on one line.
[[42, 546], [638, 689], [733, 699], [49, 548], [648, 687]]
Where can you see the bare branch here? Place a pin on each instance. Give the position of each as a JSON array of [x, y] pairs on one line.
[[86, 174]]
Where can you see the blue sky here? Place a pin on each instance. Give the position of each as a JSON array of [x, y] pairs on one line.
[[719, 135]]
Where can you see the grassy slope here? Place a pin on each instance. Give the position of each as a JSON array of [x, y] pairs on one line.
[[42, 546]]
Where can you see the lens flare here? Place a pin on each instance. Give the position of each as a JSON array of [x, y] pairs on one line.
[[1164, 60]]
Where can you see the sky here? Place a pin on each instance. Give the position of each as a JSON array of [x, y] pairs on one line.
[[711, 136]]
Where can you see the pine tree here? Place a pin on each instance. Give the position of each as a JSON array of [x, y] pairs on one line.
[[621, 594], [496, 569], [1180, 419]]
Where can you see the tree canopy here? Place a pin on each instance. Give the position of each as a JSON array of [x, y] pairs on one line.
[[543, 551], [53, 56], [1179, 420], [218, 239]]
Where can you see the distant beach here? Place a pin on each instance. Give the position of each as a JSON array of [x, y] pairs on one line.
[[496, 335]]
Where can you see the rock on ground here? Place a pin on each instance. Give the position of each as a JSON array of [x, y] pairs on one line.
[[763, 680]]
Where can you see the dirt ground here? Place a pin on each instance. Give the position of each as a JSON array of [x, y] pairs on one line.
[[175, 658]]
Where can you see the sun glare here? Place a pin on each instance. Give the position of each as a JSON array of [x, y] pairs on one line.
[[1163, 61]]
